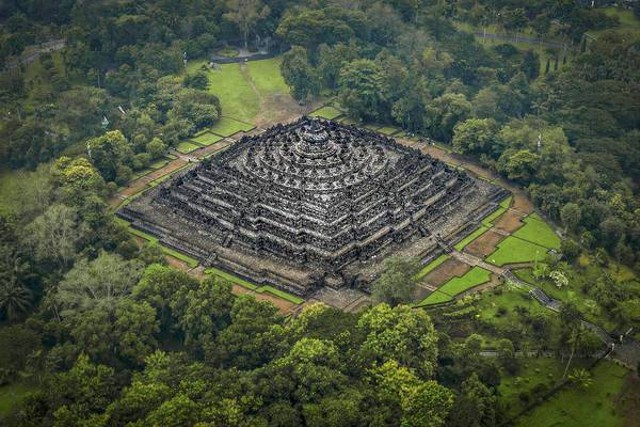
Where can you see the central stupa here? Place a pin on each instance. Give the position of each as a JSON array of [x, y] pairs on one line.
[[312, 203]]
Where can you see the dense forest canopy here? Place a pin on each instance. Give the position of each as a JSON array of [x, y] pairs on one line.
[[93, 92]]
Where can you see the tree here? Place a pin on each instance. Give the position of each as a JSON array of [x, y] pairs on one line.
[[361, 89], [445, 112], [397, 282], [298, 73], [519, 166], [55, 235], [426, 405], [581, 377], [475, 406], [15, 299], [246, 343], [400, 334], [245, 14], [108, 152], [156, 148], [570, 215], [530, 64], [474, 136], [101, 282]]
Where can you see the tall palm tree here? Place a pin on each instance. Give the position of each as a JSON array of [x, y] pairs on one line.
[[15, 299]]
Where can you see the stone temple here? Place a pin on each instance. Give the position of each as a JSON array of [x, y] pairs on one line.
[[312, 204]]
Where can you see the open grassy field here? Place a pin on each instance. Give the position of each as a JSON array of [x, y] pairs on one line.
[[435, 298], [266, 76], [535, 230], [575, 406], [513, 250], [207, 138], [227, 126], [388, 130], [474, 277], [242, 86], [327, 112], [186, 147]]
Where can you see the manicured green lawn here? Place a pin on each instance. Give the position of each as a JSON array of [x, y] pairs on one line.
[[513, 250], [280, 294], [432, 266], [472, 278], [347, 121], [574, 406], [435, 298], [327, 112], [387, 130], [241, 86], [186, 147], [11, 395], [504, 206], [536, 231], [231, 278], [207, 138], [231, 86], [471, 237], [158, 164], [266, 76], [227, 126], [252, 286]]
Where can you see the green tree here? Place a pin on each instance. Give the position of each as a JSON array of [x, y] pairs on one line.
[[474, 136], [397, 282], [245, 14], [298, 73], [445, 112], [108, 152], [570, 215], [400, 334], [361, 89]]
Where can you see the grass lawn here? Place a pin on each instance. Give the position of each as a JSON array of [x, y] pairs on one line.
[[471, 237], [186, 147], [252, 286], [227, 126], [241, 86], [513, 250], [432, 266], [280, 294], [207, 138], [387, 130], [231, 278], [435, 298], [231, 86], [327, 112], [574, 406], [266, 76], [499, 307], [535, 230], [347, 121], [158, 164], [504, 206], [472, 278], [11, 395]]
